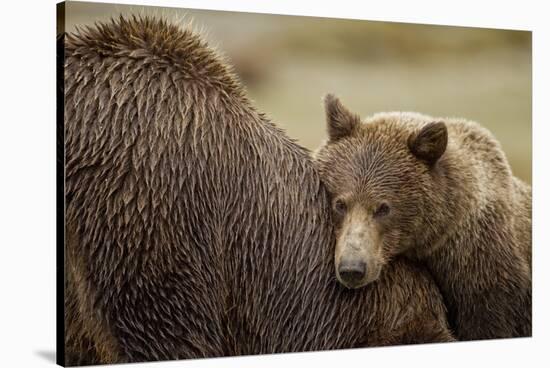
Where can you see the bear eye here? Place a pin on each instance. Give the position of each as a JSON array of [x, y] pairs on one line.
[[382, 210], [340, 207]]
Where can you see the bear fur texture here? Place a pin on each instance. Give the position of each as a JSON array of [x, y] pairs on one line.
[[436, 190], [194, 226]]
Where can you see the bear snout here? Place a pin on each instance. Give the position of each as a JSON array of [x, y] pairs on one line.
[[352, 272]]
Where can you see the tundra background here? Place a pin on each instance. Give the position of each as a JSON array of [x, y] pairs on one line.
[[287, 63]]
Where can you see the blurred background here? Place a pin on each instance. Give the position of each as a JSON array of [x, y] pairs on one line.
[[288, 63]]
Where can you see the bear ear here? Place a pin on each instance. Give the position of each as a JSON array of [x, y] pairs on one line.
[[340, 121], [430, 143]]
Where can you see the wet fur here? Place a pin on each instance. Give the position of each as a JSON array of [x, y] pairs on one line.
[[464, 215], [195, 227]]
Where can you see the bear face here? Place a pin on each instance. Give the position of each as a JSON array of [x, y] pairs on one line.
[[382, 175]]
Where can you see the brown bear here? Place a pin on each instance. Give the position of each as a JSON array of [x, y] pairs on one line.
[[194, 226], [436, 190]]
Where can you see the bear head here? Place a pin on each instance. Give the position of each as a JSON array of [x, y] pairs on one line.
[[384, 175]]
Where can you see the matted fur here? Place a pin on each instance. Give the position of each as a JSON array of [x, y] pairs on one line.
[[461, 212], [195, 227]]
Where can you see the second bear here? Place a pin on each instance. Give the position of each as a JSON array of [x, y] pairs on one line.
[[436, 190]]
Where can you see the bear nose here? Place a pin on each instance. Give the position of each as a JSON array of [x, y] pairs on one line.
[[352, 272]]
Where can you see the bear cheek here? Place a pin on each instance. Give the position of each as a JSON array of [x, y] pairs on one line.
[[394, 243]]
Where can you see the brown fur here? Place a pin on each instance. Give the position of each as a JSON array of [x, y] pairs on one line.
[[452, 202], [195, 227]]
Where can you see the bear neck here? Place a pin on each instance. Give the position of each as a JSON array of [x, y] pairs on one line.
[[471, 178], [478, 196]]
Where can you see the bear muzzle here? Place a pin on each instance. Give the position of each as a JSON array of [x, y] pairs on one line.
[[351, 273]]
